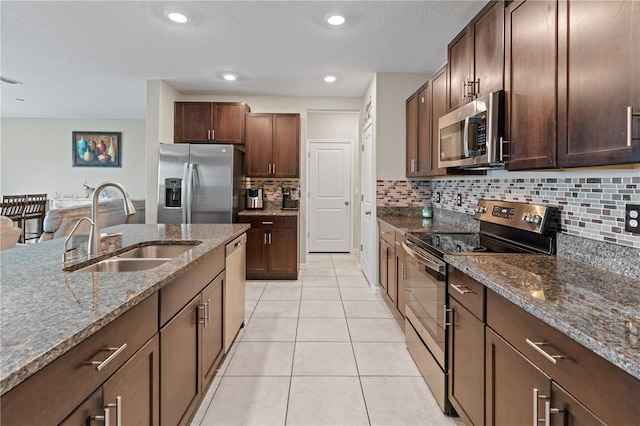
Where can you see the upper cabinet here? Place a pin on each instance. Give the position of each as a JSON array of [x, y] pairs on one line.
[[438, 91], [598, 83], [530, 84], [476, 57], [272, 145], [210, 122], [419, 132]]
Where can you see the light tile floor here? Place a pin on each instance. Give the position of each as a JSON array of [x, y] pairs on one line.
[[322, 350]]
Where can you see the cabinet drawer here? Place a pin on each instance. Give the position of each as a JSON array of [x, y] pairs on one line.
[[606, 390], [178, 293], [469, 292], [387, 232], [271, 222], [51, 394]]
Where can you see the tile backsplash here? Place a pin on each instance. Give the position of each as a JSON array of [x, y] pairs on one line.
[[273, 187], [590, 207]]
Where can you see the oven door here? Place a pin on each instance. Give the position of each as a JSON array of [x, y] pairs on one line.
[[426, 293]]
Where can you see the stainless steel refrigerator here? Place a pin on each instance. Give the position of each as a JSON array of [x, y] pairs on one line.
[[200, 183]]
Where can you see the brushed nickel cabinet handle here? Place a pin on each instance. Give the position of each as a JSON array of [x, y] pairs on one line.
[[116, 351], [213, 134], [446, 311], [267, 223], [461, 289], [118, 407], [274, 169], [537, 346], [103, 418]]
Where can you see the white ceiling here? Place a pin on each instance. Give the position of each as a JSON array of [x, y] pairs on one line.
[[90, 59]]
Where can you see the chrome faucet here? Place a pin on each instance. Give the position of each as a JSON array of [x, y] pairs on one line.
[[94, 234]]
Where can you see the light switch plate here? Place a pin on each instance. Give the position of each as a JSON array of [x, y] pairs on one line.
[[437, 197], [632, 218], [459, 200]]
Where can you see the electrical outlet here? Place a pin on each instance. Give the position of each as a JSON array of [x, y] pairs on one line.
[[459, 200], [632, 218], [437, 197]]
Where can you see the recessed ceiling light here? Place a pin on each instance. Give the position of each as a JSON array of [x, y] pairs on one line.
[[330, 79], [178, 17], [230, 77], [336, 19]]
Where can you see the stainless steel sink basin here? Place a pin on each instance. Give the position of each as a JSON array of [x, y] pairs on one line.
[[118, 264], [138, 258], [166, 251]]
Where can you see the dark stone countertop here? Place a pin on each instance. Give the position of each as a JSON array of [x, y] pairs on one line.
[[45, 311], [597, 308], [418, 224]]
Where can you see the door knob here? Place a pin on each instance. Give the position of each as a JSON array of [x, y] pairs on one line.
[[367, 212], [346, 203]]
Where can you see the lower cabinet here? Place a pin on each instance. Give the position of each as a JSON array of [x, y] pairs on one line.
[[129, 397], [401, 276], [190, 346], [272, 247]]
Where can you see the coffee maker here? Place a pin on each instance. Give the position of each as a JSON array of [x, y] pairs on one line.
[[255, 198], [288, 203]]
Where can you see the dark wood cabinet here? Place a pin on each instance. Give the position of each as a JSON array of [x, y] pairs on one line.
[[438, 89], [418, 132], [273, 145], [272, 247], [565, 410], [530, 84], [511, 384], [476, 57], [190, 348], [598, 81], [210, 122], [383, 265], [401, 276]]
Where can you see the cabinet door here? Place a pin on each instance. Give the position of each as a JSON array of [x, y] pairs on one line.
[[460, 58], [411, 118], [424, 130], [286, 145], [259, 144], [136, 388], [530, 84], [466, 364], [401, 279], [569, 411], [510, 383], [438, 109], [283, 252], [212, 329], [86, 413], [488, 49], [256, 253], [192, 122], [228, 123], [599, 75], [392, 285], [179, 357], [383, 266]]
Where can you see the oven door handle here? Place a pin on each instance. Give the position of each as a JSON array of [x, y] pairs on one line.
[[431, 262]]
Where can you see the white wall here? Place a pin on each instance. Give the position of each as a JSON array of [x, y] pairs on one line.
[[392, 91], [36, 156]]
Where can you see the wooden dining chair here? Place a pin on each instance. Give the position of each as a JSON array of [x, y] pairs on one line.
[[35, 207], [13, 208]]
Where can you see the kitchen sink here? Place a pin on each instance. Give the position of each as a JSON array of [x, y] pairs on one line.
[[138, 258], [118, 264]]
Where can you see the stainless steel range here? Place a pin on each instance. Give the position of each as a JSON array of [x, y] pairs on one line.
[[505, 227]]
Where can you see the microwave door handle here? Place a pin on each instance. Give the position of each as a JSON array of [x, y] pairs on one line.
[[466, 137]]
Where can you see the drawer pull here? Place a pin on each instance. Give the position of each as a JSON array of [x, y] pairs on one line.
[[116, 351], [267, 223], [461, 289], [537, 346]]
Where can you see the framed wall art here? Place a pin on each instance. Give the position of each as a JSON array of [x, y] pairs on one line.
[[96, 149]]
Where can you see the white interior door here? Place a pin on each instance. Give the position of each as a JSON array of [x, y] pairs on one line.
[[329, 196], [368, 244]]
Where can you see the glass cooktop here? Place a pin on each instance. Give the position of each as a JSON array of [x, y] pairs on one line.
[[449, 243]]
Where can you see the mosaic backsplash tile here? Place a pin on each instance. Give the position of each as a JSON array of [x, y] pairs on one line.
[[590, 207], [273, 188]]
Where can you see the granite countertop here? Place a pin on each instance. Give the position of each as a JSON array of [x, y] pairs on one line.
[[597, 308], [45, 311], [418, 224], [269, 212]]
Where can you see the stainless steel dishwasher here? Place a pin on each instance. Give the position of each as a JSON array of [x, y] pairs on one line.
[[234, 289]]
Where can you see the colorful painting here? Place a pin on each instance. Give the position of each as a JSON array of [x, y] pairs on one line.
[[96, 149]]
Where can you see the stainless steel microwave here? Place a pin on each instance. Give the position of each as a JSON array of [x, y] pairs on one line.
[[471, 136]]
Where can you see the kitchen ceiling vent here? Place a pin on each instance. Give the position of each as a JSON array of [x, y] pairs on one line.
[[6, 80]]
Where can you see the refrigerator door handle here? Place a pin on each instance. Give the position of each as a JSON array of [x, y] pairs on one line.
[[189, 193], [185, 191]]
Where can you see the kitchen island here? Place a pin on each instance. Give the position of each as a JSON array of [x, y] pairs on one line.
[[47, 312]]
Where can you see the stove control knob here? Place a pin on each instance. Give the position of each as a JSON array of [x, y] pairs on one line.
[[481, 209], [526, 217], [536, 219]]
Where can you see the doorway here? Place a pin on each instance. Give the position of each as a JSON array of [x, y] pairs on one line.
[[330, 189]]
